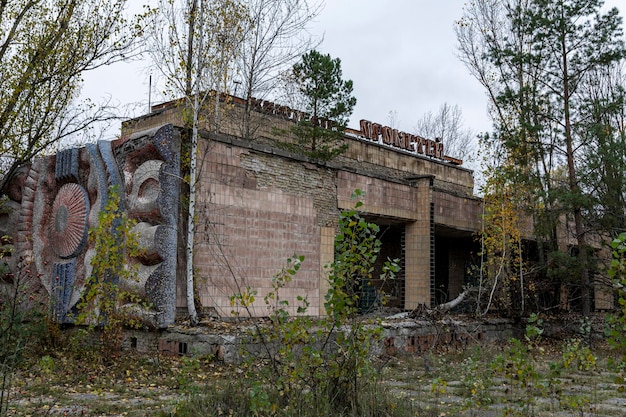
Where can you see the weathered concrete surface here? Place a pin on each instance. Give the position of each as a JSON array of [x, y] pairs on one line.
[[227, 340]]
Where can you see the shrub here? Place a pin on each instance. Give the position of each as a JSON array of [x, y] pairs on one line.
[[616, 322], [577, 355], [517, 366], [102, 306], [320, 366], [23, 325]]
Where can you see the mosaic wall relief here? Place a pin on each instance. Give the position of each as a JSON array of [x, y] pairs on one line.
[[57, 199]]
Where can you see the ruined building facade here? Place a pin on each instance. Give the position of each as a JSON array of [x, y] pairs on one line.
[[257, 205]]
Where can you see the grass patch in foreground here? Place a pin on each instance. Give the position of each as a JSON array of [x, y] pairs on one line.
[[506, 379], [239, 399], [513, 379], [561, 378]]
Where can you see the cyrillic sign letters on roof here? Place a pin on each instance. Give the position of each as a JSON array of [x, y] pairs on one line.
[[402, 140]]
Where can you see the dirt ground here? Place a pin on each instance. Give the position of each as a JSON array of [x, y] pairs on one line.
[[447, 383]]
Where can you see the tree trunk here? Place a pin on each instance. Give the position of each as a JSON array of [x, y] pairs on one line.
[[191, 223], [574, 188], [190, 48]]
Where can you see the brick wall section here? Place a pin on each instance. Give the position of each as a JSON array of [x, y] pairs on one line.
[[265, 204], [327, 255], [381, 197], [459, 212], [251, 226], [297, 178], [377, 160]]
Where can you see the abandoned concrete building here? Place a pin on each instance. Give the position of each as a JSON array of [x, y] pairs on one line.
[[258, 204]]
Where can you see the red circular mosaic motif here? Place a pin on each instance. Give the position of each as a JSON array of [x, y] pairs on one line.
[[68, 230]]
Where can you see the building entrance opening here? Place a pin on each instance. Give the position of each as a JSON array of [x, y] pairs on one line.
[[392, 237], [456, 263]]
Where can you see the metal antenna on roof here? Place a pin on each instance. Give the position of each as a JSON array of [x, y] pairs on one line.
[[150, 94]]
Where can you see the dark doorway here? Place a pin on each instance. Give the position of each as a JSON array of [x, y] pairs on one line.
[[455, 262], [442, 278], [392, 248]]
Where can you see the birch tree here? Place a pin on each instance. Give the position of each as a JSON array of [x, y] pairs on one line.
[[276, 38], [45, 48], [503, 267], [193, 46]]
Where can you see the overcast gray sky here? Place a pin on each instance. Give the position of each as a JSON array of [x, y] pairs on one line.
[[400, 55]]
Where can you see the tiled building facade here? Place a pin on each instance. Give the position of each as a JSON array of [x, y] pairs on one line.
[[258, 205]]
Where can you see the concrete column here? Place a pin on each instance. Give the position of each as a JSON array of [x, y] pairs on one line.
[[419, 262]]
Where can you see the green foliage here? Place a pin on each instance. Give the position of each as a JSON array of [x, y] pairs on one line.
[[292, 363], [533, 328], [604, 171], [356, 250], [245, 398], [579, 356], [328, 100], [505, 203], [46, 364], [517, 364], [105, 303], [186, 377], [23, 327], [551, 69], [576, 352], [438, 386], [47, 45], [616, 322], [476, 381], [585, 329], [323, 366], [576, 402]]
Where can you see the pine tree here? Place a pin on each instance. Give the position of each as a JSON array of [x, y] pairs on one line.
[[328, 100], [534, 57]]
